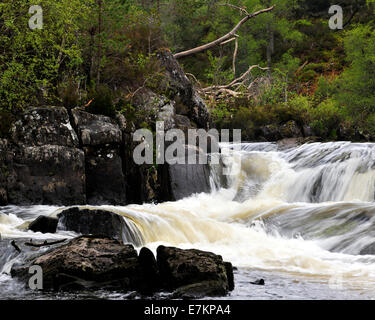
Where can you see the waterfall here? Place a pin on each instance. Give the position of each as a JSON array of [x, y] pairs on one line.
[[305, 210]]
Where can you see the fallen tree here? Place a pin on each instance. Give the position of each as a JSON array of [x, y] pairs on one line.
[[241, 85]]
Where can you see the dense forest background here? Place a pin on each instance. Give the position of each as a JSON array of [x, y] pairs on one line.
[[103, 51]]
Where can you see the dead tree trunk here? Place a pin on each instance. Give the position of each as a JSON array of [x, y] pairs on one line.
[[226, 37]]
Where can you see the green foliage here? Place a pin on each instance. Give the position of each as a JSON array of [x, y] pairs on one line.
[[356, 86], [33, 61], [102, 101]]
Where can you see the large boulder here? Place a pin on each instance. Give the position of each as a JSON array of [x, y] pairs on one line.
[[48, 174], [93, 262], [193, 273], [86, 263], [99, 222], [101, 138], [44, 224], [182, 90], [44, 126]]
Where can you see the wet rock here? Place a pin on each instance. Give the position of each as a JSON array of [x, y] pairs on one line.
[[86, 263], [192, 272], [105, 180], [98, 262], [98, 222], [259, 282], [182, 90], [48, 174], [183, 180], [94, 130], [44, 224], [149, 273], [44, 126], [230, 276]]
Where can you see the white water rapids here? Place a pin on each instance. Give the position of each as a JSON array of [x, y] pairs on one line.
[[307, 210]]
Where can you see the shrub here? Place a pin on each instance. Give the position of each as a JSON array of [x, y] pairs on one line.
[[102, 101]]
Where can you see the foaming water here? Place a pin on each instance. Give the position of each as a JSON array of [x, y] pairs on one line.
[[306, 211]]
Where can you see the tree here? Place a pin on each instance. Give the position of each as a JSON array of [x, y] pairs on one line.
[[32, 62], [356, 86]]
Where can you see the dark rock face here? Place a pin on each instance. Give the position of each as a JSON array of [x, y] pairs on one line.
[[43, 165], [101, 138], [44, 224], [96, 130], [192, 272], [105, 181], [182, 89], [47, 174], [183, 180], [98, 222], [149, 272], [45, 126], [87, 262], [90, 262]]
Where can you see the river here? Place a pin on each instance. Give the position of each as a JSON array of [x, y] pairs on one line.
[[301, 217]]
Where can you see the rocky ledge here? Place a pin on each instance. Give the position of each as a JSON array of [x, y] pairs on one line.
[[92, 262]]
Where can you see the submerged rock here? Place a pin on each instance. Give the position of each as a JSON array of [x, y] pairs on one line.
[[44, 224], [259, 282]]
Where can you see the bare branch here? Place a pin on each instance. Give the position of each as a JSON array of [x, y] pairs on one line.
[[235, 81], [223, 38]]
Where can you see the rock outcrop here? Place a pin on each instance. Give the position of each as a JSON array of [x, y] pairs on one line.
[[72, 157], [99, 222], [48, 174], [101, 139], [90, 262], [182, 90]]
